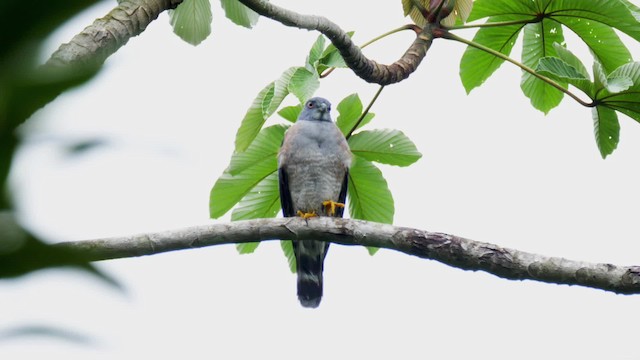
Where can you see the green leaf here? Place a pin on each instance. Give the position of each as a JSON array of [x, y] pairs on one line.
[[254, 118], [246, 170], [388, 146], [349, 110], [315, 53], [476, 65], [516, 10], [618, 84], [265, 146], [281, 90], [606, 129], [303, 84], [191, 20], [331, 57], [601, 39], [287, 248], [291, 113], [263, 201], [573, 61], [560, 70], [626, 101], [369, 195], [599, 78], [239, 13], [538, 42], [616, 14]]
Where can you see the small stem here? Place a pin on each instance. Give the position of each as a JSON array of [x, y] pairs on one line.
[[413, 27], [450, 36], [495, 24], [365, 112]]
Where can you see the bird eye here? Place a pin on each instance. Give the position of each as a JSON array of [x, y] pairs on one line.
[[310, 105]]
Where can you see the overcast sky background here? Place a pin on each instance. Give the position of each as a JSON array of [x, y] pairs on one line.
[[494, 170]]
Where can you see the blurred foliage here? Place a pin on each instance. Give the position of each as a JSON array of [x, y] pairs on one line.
[[25, 87]]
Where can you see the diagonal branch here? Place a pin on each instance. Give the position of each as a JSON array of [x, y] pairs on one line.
[[449, 249], [365, 68], [106, 35]]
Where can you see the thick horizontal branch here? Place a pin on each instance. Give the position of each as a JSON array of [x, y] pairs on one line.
[[448, 249], [106, 35], [365, 68]]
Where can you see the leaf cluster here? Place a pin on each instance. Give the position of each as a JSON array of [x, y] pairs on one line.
[[550, 67]]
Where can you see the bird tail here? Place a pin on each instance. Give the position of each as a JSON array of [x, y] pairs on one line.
[[310, 258]]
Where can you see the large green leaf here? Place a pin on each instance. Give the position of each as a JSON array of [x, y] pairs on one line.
[[191, 20], [602, 40], [606, 129], [331, 57], [291, 113], [254, 118], [246, 170], [558, 69], [263, 201], [388, 146], [350, 110], [264, 148], [628, 100], [538, 42], [476, 65], [315, 53], [303, 84], [568, 57], [239, 13], [515, 9], [369, 195], [614, 13]]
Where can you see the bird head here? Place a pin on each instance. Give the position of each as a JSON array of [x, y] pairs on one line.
[[316, 109]]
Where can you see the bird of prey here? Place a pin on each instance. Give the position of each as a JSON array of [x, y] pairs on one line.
[[313, 170]]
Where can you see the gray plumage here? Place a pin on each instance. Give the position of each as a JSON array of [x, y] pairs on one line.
[[313, 167]]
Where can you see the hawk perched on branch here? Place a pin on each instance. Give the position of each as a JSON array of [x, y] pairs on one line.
[[313, 170]]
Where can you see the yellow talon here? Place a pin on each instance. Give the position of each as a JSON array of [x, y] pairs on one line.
[[308, 215], [330, 206]]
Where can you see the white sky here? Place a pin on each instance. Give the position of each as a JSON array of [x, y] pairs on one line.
[[493, 170]]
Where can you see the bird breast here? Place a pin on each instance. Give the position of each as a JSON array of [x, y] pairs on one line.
[[317, 159]]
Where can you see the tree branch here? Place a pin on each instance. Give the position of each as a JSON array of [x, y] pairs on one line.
[[105, 36], [366, 69], [448, 249]]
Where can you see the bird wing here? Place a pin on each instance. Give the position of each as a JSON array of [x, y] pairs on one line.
[[285, 195], [342, 198]]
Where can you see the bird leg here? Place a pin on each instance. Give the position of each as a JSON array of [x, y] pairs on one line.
[[330, 206], [307, 215]]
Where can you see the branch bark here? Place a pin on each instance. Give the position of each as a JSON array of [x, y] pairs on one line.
[[365, 68], [106, 35], [448, 249]]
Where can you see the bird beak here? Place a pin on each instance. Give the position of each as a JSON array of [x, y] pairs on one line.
[[323, 107]]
